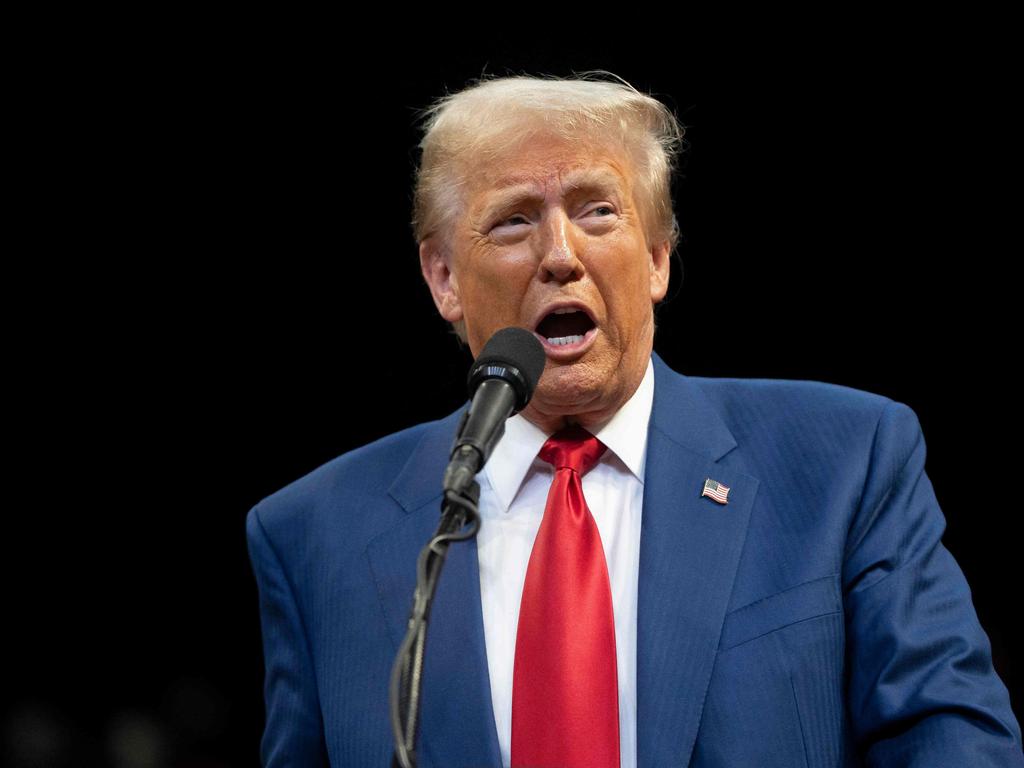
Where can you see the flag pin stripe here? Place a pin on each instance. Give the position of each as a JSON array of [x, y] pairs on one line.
[[715, 490]]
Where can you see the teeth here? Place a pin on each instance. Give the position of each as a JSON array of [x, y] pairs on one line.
[[560, 341], [565, 311]]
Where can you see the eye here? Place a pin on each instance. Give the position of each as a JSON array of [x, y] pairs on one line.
[[512, 221], [603, 210]]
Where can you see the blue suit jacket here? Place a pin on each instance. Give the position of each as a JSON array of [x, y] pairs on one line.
[[814, 620]]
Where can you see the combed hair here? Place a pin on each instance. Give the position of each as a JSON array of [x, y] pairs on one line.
[[467, 128]]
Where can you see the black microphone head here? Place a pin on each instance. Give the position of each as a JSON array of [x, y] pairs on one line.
[[514, 355]]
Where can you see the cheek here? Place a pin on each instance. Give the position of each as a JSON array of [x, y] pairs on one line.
[[628, 293], [493, 292], [505, 270]]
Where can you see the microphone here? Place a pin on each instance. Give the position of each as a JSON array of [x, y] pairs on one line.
[[501, 383]]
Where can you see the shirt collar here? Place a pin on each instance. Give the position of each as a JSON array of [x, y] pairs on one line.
[[625, 434]]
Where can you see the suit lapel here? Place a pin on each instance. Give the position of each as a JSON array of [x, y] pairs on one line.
[[457, 725], [689, 551]]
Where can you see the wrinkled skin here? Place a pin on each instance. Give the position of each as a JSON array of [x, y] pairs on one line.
[[556, 223]]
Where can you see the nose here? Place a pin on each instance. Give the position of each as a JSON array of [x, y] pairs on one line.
[[559, 249]]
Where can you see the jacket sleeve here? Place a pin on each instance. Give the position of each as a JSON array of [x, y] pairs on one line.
[[293, 735], [922, 689]]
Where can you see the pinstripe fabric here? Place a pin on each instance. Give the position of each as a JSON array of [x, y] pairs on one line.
[[815, 620]]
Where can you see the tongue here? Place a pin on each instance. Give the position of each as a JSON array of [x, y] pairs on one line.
[[571, 324]]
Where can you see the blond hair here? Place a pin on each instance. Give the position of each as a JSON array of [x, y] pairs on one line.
[[467, 128]]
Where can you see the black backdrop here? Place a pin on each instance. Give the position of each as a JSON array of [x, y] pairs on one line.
[[238, 301]]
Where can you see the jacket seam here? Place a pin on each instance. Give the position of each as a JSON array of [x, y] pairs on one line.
[[799, 719], [782, 592], [298, 611], [896, 480], [867, 477], [833, 612]]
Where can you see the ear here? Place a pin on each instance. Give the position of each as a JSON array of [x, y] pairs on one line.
[[660, 268], [435, 264]]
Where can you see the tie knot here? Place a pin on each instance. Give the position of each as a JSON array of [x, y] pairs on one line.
[[572, 448]]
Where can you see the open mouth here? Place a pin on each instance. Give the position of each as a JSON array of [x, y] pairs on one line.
[[565, 327]]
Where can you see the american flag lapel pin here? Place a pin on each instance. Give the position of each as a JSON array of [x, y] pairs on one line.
[[716, 491]]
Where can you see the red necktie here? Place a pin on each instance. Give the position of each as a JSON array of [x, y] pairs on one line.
[[565, 694]]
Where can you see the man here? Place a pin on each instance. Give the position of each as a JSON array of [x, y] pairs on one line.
[[758, 562]]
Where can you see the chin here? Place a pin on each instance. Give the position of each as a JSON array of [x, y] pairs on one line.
[[567, 386]]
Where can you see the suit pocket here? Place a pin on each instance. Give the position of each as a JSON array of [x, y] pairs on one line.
[[804, 601]]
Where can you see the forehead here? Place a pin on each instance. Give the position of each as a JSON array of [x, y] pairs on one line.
[[548, 166]]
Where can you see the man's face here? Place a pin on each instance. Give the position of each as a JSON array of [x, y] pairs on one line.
[[551, 239]]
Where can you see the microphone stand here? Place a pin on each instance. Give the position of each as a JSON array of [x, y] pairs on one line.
[[457, 510]]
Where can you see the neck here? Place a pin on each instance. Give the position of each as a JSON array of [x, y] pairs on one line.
[[552, 424]]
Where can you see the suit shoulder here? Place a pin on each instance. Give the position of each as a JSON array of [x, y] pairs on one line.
[[824, 438], [792, 398], [821, 417], [356, 476]]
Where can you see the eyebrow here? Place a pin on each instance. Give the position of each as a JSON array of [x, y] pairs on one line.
[[513, 190]]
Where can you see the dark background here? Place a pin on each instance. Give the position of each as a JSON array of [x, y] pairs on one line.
[[222, 293]]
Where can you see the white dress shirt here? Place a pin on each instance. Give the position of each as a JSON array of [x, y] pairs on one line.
[[513, 493]]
